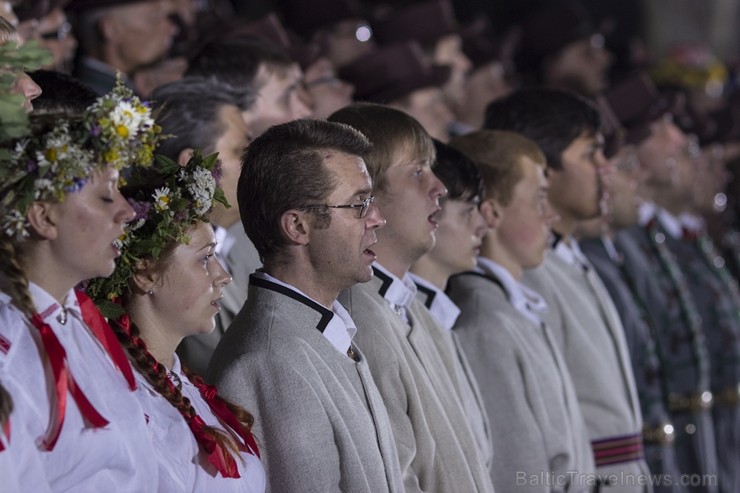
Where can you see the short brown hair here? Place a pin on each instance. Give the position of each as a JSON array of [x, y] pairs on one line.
[[498, 155], [390, 130], [283, 169]]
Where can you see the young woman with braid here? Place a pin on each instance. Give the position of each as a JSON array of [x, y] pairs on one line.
[[16, 93], [74, 412], [167, 286]]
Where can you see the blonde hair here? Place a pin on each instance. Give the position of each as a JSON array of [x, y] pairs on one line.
[[498, 155], [8, 32]]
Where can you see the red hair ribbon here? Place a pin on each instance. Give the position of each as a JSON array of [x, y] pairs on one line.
[[63, 381], [6, 432], [103, 332], [220, 458], [220, 409]]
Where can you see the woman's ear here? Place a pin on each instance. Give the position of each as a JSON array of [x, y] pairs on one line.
[[184, 156], [41, 217], [144, 277]]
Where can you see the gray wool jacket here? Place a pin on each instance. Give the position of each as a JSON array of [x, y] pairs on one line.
[[436, 446], [319, 418]]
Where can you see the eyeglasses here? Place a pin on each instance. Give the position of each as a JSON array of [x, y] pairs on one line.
[[331, 80], [362, 207], [60, 34]]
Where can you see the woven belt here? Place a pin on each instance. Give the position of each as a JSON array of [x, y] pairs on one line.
[[663, 434], [690, 402], [616, 450], [729, 397]]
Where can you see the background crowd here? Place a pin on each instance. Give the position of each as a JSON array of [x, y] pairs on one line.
[[329, 245]]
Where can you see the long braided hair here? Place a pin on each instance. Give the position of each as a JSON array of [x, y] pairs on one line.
[[156, 374], [15, 284], [6, 406], [129, 335]]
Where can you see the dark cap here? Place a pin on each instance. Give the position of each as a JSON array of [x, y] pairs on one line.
[[549, 29], [636, 102], [82, 5], [393, 72], [423, 22], [271, 29], [307, 17], [32, 9], [479, 42], [613, 131]]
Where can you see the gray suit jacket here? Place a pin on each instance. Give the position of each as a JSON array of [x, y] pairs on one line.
[[526, 385], [587, 327], [436, 446], [650, 374], [469, 391], [320, 419], [241, 261]]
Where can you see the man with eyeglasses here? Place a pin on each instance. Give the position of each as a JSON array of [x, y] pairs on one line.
[[51, 29], [305, 198]]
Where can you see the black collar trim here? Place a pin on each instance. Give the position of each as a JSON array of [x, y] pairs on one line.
[[326, 314], [489, 277], [430, 293], [387, 281]]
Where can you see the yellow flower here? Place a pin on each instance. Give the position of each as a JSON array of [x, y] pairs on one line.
[[122, 131], [111, 156], [51, 155]]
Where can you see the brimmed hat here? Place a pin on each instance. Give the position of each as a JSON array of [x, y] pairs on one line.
[[81, 5], [480, 43], [393, 72], [306, 17], [423, 22], [636, 102], [270, 28], [613, 131], [549, 29]]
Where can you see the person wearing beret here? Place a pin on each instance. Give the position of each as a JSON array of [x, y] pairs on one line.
[[400, 76], [682, 339]]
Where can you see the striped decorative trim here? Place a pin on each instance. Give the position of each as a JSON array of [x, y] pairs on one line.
[[616, 450], [4, 345]]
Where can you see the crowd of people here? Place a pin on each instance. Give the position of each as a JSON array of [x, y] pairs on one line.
[[362, 247]]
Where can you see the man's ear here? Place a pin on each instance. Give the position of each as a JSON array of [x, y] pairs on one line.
[[296, 226], [42, 218], [492, 212], [184, 156], [108, 28]]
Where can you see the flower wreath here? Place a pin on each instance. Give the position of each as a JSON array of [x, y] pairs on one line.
[[117, 130], [168, 200]]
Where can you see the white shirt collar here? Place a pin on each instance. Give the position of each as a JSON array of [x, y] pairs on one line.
[[339, 331], [398, 293], [670, 223], [526, 301], [692, 222], [443, 309], [48, 308], [224, 241], [570, 252], [646, 212]]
